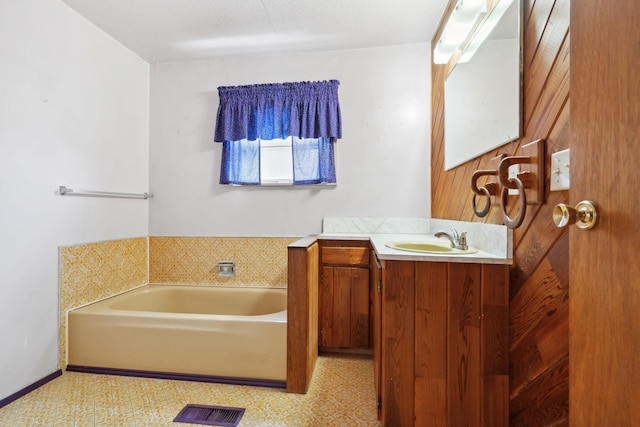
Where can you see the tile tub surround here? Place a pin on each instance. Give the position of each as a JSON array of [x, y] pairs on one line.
[[94, 271], [259, 261]]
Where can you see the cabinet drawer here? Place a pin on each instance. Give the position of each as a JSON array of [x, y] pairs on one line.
[[345, 255]]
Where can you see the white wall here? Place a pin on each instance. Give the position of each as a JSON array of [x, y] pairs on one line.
[[383, 158], [74, 112]]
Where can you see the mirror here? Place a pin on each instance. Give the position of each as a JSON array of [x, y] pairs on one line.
[[482, 102]]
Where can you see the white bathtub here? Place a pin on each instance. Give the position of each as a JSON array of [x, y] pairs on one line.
[[222, 333]]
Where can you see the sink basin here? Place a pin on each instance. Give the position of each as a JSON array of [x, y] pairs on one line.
[[430, 248]]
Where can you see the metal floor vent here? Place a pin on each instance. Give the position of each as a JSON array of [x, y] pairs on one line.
[[210, 415]]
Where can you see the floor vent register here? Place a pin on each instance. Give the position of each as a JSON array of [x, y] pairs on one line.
[[210, 415]]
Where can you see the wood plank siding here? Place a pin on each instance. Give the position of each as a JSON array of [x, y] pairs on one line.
[[539, 278]]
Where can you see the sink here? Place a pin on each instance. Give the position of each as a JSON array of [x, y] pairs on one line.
[[429, 248]]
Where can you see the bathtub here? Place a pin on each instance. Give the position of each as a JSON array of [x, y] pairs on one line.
[[226, 334]]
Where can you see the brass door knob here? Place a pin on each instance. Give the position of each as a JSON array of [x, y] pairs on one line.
[[584, 215]]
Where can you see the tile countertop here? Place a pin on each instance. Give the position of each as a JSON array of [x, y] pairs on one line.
[[494, 242]]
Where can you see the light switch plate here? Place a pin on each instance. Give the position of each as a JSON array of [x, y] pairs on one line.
[[560, 171]]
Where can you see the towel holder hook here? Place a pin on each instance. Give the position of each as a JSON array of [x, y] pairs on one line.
[[488, 190]]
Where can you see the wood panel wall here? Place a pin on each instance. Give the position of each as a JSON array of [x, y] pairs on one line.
[[539, 278], [302, 313]]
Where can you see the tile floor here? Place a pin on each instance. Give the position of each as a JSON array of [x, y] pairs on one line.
[[341, 394]]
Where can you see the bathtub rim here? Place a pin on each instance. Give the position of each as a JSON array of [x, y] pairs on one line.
[[283, 287], [99, 309]]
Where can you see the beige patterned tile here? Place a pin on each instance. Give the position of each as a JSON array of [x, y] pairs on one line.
[[93, 271], [341, 394], [260, 261]]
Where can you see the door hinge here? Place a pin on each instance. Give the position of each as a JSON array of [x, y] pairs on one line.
[[379, 402], [379, 285]]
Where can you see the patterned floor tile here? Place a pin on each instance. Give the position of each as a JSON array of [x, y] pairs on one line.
[[341, 394]]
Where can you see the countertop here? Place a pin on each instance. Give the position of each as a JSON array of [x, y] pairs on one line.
[[384, 252]]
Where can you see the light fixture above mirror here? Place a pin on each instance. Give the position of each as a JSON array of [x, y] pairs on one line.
[[462, 21], [468, 25]]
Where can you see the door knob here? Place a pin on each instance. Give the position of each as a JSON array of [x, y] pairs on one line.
[[584, 215]]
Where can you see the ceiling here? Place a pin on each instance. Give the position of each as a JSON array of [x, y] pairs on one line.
[[184, 30]]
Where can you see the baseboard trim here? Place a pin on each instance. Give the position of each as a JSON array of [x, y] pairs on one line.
[[28, 389], [177, 376]]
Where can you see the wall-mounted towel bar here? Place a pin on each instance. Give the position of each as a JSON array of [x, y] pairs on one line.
[[64, 191]]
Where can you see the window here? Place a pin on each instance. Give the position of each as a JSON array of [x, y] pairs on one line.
[[278, 161]]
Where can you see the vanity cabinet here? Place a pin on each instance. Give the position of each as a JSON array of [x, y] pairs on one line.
[[443, 347], [344, 295], [438, 330]]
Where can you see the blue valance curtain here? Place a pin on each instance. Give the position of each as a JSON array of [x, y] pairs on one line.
[[278, 110], [307, 111]]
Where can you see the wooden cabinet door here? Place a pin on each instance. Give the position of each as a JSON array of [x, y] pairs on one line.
[[444, 355], [344, 307], [398, 351]]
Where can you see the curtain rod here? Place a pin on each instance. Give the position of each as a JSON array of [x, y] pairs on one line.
[[64, 191]]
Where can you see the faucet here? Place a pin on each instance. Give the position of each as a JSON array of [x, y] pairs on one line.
[[458, 240]]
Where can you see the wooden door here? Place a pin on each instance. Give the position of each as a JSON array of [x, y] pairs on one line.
[[604, 310]]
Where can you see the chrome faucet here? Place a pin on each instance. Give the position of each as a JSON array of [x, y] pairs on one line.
[[458, 240]]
